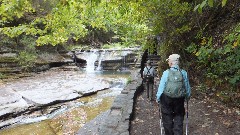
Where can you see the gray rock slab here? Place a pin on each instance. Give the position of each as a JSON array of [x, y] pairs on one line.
[[46, 88], [10, 102]]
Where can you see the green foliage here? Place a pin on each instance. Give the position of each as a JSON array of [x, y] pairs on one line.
[[224, 2], [74, 19], [27, 57], [199, 7], [6, 41], [113, 45], [129, 80], [212, 54], [29, 43], [170, 19], [210, 3], [27, 60], [11, 9], [221, 63], [2, 76]]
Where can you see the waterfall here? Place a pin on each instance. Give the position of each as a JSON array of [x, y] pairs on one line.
[[123, 64], [102, 54], [124, 57], [91, 58], [107, 59]]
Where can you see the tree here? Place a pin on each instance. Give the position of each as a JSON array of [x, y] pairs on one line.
[[71, 19]]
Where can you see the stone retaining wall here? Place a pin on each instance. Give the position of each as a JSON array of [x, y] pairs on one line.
[[116, 121]]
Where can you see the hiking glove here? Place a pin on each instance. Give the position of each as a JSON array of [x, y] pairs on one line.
[[157, 101], [187, 98]]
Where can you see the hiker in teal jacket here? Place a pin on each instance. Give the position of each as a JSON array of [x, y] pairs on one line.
[[172, 106]]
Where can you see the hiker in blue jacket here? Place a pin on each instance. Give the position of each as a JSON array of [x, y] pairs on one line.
[[173, 89]]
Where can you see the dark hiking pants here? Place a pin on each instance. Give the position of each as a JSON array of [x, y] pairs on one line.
[[149, 89], [149, 86], [172, 115]]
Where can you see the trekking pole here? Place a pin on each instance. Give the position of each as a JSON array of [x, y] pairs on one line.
[[160, 117], [187, 120]]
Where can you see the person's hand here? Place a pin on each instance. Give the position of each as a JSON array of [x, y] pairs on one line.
[[157, 101], [187, 98]]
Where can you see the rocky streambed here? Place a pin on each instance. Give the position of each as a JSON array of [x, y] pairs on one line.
[[58, 101]]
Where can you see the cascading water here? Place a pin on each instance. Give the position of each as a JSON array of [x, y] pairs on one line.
[[90, 62], [90, 57], [124, 55], [102, 55], [106, 59]]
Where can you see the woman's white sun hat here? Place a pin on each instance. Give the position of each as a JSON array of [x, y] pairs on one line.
[[173, 57]]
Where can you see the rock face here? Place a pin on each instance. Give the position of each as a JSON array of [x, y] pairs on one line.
[[9, 64], [107, 59], [10, 67]]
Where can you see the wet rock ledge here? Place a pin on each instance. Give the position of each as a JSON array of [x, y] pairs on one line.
[[116, 121]]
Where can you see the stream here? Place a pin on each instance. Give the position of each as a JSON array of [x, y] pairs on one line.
[[65, 117]]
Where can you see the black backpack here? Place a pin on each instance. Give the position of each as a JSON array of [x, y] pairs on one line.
[[148, 77]]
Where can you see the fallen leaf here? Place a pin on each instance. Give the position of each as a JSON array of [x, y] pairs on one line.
[[227, 123], [205, 125], [215, 110], [225, 112], [229, 111], [238, 112]]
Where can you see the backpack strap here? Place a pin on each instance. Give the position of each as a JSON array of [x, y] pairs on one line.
[[181, 74], [148, 71], [183, 78]]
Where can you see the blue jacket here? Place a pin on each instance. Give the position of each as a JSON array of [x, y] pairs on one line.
[[164, 78]]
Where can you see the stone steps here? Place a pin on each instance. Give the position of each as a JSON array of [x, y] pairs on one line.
[[154, 60], [136, 65]]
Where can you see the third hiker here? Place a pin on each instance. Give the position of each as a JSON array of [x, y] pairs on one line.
[[148, 77]]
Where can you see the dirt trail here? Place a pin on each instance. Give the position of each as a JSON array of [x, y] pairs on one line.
[[206, 117]]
